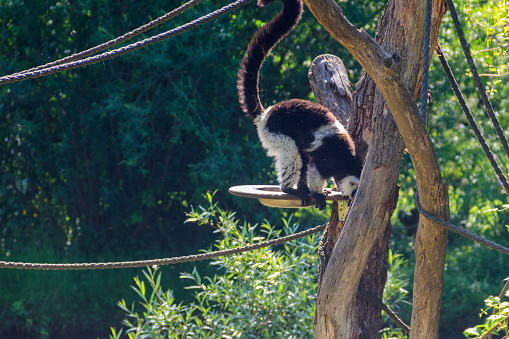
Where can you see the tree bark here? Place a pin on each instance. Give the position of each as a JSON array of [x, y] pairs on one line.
[[400, 33], [330, 85], [329, 81]]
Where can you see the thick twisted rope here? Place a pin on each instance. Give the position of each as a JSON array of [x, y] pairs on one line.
[[477, 78], [196, 257], [425, 60], [158, 262], [117, 40], [123, 50], [459, 230], [470, 118]]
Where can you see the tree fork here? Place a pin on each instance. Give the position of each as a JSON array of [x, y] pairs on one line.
[[401, 33]]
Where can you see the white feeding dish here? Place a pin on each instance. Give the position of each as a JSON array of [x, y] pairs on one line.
[[271, 195]]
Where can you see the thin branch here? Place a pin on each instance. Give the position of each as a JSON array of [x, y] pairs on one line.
[[504, 289], [493, 75], [500, 296], [494, 328], [489, 49]]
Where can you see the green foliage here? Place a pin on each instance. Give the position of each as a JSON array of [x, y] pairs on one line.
[[101, 161], [397, 333], [72, 304], [264, 293], [395, 293], [490, 21], [116, 149], [494, 323], [160, 312]]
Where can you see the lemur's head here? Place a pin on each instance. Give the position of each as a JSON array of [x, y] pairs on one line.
[[348, 186]]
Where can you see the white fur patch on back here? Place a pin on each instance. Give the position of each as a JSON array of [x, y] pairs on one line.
[[288, 161], [348, 184], [323, 132]]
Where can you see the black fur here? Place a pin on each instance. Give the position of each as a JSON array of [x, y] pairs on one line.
[[308, 142], [265, 39]]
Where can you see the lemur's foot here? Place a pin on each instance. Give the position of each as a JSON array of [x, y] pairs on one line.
[[304, 189], [304, 196], [305, 199], [320, 200]]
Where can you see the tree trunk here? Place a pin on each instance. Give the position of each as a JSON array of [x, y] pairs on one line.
[[400, 34], [329, 81], [330, 85]]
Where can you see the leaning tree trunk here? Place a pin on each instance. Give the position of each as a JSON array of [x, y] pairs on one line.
[[395, 65]]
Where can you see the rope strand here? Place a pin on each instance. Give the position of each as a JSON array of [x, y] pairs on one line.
[[123, 50], [459, 230], [477, 78], [160, 262], [397, 320], [117, 40], [425, 60], [470, 118]]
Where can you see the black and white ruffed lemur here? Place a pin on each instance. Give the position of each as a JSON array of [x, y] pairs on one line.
[[306, 139]]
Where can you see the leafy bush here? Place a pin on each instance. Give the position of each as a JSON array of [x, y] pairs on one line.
[[395, 293], [266, 293], [495, 323]]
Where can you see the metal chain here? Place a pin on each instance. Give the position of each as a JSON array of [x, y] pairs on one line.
[[477, 79], [459, 230], [470, 118], [117, 40], [158, 262], [123, 50]]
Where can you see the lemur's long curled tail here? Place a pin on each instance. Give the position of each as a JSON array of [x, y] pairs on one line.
[[265, 39]]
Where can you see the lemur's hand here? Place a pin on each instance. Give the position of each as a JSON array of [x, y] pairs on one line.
[[320, 200]]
